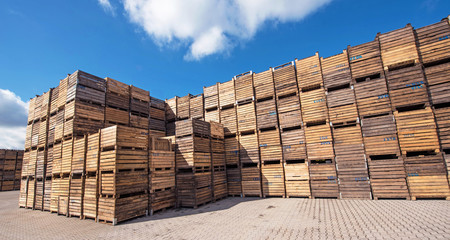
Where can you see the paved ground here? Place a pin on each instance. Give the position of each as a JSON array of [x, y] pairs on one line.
[[249, 218]]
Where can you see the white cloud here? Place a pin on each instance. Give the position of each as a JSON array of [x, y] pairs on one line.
[[212, 26], [13, 126], [107, 7]]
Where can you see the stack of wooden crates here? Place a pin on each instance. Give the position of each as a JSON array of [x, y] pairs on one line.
[[10, 169]]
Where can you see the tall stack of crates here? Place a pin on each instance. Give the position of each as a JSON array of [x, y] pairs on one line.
[[353, 176], [193, 163], [171, 115], [123, 174], [117, 111], [161, 168], [319, 141], [295, 162], [211, 103], [219, 174], [91, 191], [10, 169], [139, 107], [157, 116]]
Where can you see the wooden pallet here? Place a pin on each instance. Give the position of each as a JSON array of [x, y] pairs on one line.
[[263, 83], [417, 130], [365, 59], [226, 94], [314, 105], [398, 48], [246, 117], [251, 180], [272, 175], [294, 144], [433, 41], [336, 70], [309, 72], [285, 80], [244, 87], [266, 113]]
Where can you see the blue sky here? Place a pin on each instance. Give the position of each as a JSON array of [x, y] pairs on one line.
[[186, 46]]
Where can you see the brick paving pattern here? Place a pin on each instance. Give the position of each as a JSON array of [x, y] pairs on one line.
[[245, 218]]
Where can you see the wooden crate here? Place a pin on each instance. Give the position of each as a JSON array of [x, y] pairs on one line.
[[28, 136], [157, 103], [23, 192], [123, 158], [191, 143], [272, 175], [244, 87], [57, 159], [162, 200], [47, 193], [87, 80], [79, 109], [398, 48], [60, 194], [31, 106], [323, 179], [192, 127], [211, 95], [76, 195], [39, 195], [212, 115], [81, 126], [388, 177], [365, 60], [218, 159], [439, 83], [217, 145], [183, 107], [336, 70], [54, 99], [59, 125], [62, 96], [285, 79], [171, 109], [43, 132], [86, 94], [220, 191], [231, 150], [417, 130], [90, 196], [319, 142], [443, 125], [372, 97], [251, 180], [428, 187], [266, 114], [432, 41], [122, 136], [297, 178], [158, 114], [123, 182], [289, 113], [32, 163], [114, 116], [93, 152], [349, 148], [139, 120], [380, 135], [342, 108], [117, 94], [229, 120], [31, 192], [37, 107], [246, 117], [35, 134], [234, 180], [270, 145], [193, 159], [226, 94], [45, 107], [309, 72], [193, 189], [248, 148], [294, 144], [263, 83], [79, 157], [67, 154], [216, 130], [41, 161], [196, 107], [314, 105], [139, 100], [155, 124], [115, 210]]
